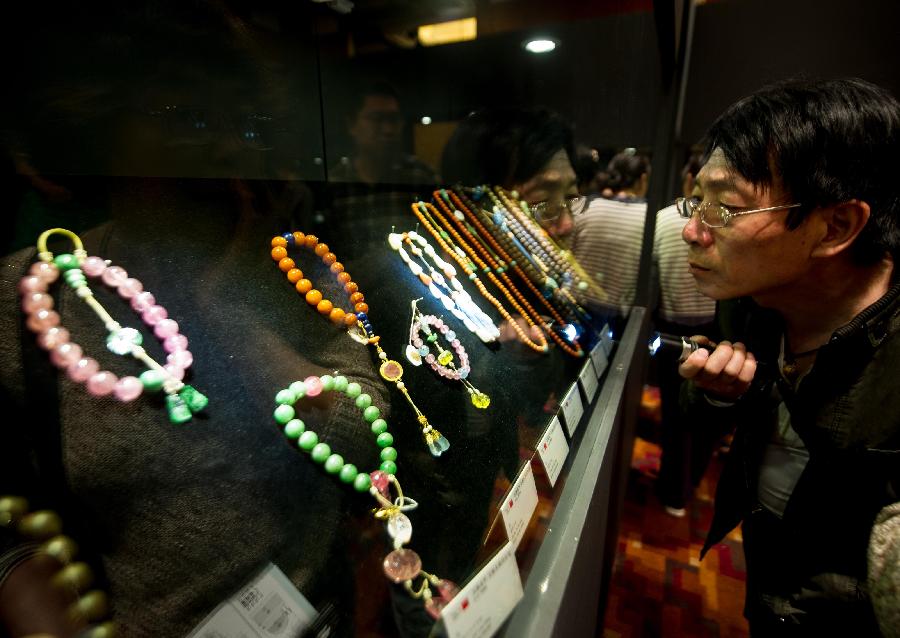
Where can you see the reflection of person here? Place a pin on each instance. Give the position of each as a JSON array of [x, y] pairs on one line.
[[607, 238], [794, 228], [528, 150], [375, 127], [524, 149], [372, 188]]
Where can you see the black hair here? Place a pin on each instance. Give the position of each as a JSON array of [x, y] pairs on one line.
[[586, 165], [505, 146], [626, 168], [827, 142]]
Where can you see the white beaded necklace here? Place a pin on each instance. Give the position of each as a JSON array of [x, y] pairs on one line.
[[457, 301]]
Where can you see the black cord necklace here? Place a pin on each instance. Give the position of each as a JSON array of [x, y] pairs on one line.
[[790, 368]]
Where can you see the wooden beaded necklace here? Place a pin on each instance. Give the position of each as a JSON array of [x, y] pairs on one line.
[[433, 221], [401, 565], [76, 577], [182, 400], [515, 250], [555, 259], [357, 322], [552, 256], [443, 198]]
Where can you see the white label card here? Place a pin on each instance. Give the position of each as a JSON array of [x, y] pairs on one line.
[[479, 609], [588, 379], [600, 359], [553, 450], [518, 505], [267, 606], [606, 339], [572, 409]]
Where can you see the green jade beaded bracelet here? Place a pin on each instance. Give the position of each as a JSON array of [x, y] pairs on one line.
[[401, 565]]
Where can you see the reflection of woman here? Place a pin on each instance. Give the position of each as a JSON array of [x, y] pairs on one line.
[[606, 239], [529, 150]]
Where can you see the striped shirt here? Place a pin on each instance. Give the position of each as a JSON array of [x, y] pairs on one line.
[[607, 242], [679, 302]]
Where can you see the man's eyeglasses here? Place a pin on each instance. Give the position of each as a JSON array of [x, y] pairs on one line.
[[717, 215], [549, 211]]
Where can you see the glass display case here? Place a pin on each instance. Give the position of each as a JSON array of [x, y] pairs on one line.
[[358, 395]]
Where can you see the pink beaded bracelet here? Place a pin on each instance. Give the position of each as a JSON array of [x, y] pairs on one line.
[[181, 400], [431, 328]]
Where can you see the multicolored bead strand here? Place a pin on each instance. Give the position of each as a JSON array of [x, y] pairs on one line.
[[418, 350], [358, 324], [444, 200], [182, 400], [502, 225], [401, 565], [553, 258]]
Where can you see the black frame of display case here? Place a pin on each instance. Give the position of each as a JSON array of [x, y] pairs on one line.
[[565, 592]]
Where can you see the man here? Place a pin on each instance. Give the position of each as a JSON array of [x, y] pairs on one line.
[[794, 229], [371, 189]]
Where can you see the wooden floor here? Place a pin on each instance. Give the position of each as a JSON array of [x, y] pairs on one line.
[[659, 587]]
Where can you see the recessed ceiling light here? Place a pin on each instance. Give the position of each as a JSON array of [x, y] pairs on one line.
[[540, 45], [426, 120]]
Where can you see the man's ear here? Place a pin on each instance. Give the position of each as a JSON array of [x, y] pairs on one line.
[[841, 225]]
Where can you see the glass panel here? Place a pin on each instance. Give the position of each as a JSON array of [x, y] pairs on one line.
[[178, 141]]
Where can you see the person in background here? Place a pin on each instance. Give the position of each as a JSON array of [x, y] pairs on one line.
[[794, 228], [606, 238]]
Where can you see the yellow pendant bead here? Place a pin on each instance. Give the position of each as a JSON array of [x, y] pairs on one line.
[[480, 400], [445, 357]]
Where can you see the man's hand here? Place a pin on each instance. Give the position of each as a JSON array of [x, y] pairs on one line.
[[725, 373]]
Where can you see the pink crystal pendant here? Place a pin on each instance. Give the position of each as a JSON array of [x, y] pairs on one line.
[[391, 371], [380, 482], [446, 591], [402, 565]]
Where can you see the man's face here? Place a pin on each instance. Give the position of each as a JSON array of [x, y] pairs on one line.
[[378, 126], [754, 255], [553, 183]]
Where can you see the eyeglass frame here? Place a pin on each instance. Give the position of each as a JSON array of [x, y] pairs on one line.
[[682, 205], [567, 203]]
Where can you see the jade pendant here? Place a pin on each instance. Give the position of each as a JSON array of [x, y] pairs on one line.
[[195, 400], [179, 412]]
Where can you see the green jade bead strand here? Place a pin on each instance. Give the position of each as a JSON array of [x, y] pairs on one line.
[[308, 441], [401, 565]]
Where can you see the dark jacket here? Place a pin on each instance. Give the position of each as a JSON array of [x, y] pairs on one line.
[[847, 411]]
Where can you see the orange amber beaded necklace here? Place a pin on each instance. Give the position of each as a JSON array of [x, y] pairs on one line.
[[432, 219], [356, 320], [443, 198], [304, 286]]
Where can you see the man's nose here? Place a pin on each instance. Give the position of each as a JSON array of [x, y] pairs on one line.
[[696, 232]]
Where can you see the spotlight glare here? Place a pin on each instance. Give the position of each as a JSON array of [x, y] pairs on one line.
[[540, 45]]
